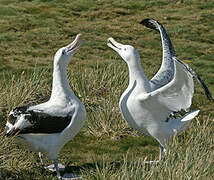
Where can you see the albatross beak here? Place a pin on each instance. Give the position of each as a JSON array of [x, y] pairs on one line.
[[114, 45], [75, 45]]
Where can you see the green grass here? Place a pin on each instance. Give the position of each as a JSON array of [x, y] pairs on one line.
[[106, 148]]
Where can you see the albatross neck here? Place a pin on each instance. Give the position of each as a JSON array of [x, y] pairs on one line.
[[136, 74], [60, 87]]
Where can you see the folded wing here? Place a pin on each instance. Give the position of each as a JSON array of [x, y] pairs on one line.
[[22, 121]]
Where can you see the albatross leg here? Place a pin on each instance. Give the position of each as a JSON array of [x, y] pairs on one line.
[[57, 169], [162, 150], [42, 160], [53, 168]]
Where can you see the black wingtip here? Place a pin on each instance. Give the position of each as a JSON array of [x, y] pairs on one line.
[[206, 90], [201, 82], [197, 77], [145, 21], [150, 23]]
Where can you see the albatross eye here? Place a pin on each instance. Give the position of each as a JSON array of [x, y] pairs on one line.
[[124, 49], [63, 51]]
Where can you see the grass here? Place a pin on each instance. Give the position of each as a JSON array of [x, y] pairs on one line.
[[106, 147]]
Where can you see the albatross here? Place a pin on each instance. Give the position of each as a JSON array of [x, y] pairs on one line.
[[148, 105], [47, 127]]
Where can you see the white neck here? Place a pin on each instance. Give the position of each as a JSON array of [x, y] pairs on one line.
[[136, 74], [60, 87]]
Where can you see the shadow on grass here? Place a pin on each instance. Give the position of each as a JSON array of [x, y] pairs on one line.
[[5, 174], [93, 166], [77, 169], [99, 166]]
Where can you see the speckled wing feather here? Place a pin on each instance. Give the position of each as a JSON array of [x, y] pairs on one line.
[[166, 71], [164, 75]]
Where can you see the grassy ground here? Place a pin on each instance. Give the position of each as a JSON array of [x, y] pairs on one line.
[[106, 148]]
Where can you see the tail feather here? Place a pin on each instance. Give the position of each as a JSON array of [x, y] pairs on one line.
[[190, 116], [197, 77], [179, 125]]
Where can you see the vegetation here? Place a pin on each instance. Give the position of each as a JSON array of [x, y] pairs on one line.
[[106, 148]]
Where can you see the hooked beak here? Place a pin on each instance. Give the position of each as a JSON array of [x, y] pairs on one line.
[[114, 45], [75, 45]]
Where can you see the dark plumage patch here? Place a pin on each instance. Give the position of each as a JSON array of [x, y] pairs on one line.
[[12, 119], [41, 122], [153, 24], [16, 112], [45, 123], [149, 24]]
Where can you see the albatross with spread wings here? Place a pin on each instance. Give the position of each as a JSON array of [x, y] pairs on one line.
[[148, 105]]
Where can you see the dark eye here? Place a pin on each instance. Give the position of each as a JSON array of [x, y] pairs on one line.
[[124, 49], [63, 52]]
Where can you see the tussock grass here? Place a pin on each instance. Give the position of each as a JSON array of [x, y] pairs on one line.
[[106, 148], [98, 87], [15, 162], [189, 157], [111, 152], [19, 90]]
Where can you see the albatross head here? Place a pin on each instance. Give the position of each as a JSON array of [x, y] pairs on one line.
[[63, 55], [127, 52]]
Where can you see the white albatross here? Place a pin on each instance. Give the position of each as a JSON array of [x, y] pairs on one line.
[[147, 107], [47, 127]]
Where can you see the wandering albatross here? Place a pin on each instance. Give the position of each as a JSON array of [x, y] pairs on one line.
[[47, 127], [148, 105]]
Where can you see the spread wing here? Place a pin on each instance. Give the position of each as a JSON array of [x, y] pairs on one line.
[[166, 71], [174, 96], [197, 77]]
